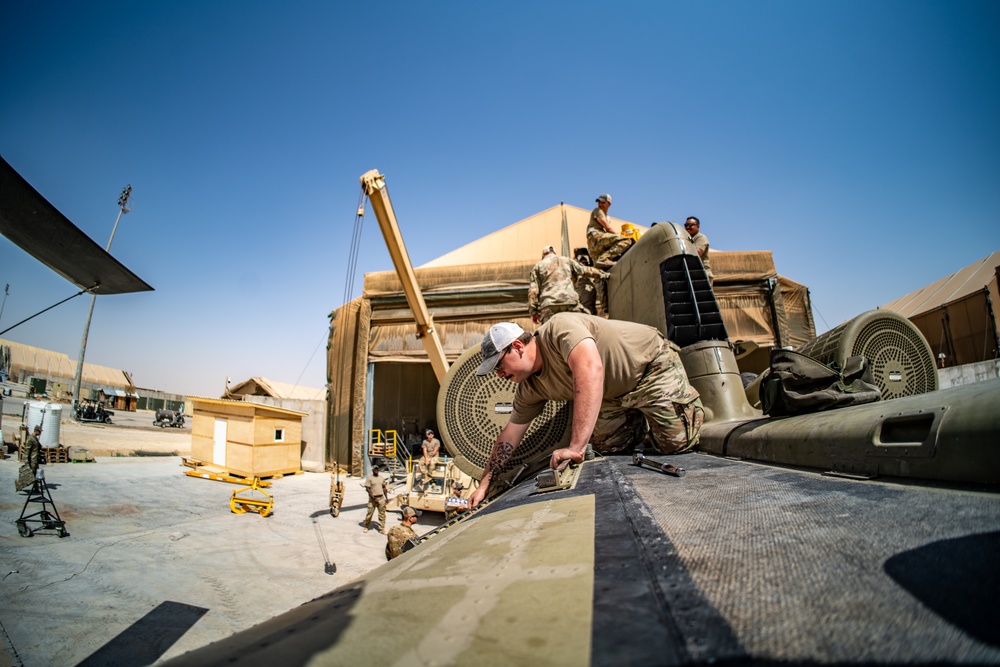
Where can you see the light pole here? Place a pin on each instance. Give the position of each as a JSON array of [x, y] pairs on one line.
[[123, 208], [6, 291]]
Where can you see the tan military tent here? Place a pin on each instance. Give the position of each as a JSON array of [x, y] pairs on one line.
[[956, 314], [23, 362], [379, 374]]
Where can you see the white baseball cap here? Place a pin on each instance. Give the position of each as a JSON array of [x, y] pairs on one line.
[[495, 342]]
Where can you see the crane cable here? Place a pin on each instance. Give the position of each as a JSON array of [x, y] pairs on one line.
[[352, 262]]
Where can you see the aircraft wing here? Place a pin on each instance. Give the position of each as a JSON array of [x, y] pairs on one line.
[[38, 228]]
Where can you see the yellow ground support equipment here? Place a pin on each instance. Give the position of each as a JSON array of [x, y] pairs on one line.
[[631, 231], [383, 450], [382, 443], [252, 503]]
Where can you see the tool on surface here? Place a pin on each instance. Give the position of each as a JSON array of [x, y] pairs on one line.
[[641, 460], [563, 477]]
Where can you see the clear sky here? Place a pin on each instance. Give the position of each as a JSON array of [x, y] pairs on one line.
[[859, 141]]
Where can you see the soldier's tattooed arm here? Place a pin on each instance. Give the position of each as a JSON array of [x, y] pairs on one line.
[[499, 462], [500, 457]]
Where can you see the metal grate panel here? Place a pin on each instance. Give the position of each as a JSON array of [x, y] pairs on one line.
[[901, 361], [472, 410], [895, 351]]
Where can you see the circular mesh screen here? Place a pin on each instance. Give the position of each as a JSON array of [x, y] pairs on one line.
[[901, 361], [472, 410], [896, 350]]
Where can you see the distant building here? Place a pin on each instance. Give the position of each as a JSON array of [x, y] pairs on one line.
[[261, 386], [308, 400]]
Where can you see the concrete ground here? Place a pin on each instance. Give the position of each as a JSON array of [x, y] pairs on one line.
[[155, 563]]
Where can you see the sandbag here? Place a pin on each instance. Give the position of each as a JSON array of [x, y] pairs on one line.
[[796, 384]]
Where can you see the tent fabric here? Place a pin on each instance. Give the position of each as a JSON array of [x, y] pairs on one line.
[[347, 362], [952, 287], [742, 266], [963, 330], [801, 326], [460, 279], [37, 361], [957, 314], [523, 241]]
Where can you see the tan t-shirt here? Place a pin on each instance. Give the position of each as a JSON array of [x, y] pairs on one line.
[[700, 242], [376, 484], [596, 217], [626, 348]]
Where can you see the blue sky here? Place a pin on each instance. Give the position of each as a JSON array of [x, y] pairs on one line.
[[858, 141]]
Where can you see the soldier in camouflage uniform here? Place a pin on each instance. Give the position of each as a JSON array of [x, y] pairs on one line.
[[398, 535], [552, 288], [33, 449], [586, 288], [661, 402], [622, 377], [605, 245]]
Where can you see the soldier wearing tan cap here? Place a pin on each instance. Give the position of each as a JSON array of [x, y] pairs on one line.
[[626, 382], [605, 245]]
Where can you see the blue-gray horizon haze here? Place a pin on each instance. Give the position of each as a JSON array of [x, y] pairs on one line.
[[855, 140]]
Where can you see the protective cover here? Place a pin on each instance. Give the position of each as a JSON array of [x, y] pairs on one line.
[[796, 384]]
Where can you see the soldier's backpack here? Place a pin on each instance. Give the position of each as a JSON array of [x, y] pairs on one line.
[[796, 384]]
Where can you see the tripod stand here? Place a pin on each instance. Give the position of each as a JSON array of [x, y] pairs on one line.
[[46, 520]]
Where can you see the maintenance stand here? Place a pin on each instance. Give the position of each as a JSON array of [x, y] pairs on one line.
[[46, 520]]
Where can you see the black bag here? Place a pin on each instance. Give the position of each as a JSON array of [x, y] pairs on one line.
[[796, 384]]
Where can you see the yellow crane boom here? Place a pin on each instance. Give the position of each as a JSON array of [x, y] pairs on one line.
[[373, 184]]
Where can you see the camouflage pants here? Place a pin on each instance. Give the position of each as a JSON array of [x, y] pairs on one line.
[[663, 403], [606, 248], [379, 502], [546, 313], [427, 469], [586, 289]]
